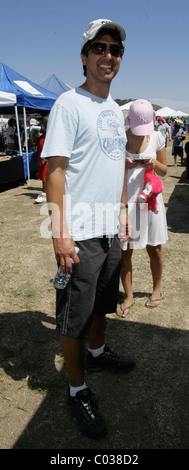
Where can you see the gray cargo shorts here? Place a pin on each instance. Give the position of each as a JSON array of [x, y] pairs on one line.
[[93, 287]]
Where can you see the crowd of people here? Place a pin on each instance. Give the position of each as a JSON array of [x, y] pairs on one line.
[[176, 131], [9, 145]]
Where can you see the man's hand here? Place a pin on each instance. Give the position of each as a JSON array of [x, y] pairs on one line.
[[64, 249], [125, 227]]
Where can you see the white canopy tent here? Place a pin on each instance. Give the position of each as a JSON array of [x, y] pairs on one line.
[[171, 113], [7, 99], [125, 109], [165, 112], [180, 114]]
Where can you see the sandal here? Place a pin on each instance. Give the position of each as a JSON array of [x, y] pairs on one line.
[[123, 314], [152, 301]]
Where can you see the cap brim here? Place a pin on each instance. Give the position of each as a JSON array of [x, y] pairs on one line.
[[144, 129]]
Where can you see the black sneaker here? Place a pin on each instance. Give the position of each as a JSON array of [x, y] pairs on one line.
[[109, 360], [86, 414]]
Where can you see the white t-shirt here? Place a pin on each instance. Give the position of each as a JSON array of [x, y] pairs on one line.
[[163, 128], [10, 133], [89, 131]]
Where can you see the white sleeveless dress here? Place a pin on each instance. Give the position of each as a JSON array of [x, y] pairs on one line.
[[148, 228]]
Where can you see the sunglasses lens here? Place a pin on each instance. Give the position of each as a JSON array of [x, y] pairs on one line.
[[115, 50], [99, 48]]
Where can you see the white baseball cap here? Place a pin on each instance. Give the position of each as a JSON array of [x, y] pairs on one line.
[[95, 26]]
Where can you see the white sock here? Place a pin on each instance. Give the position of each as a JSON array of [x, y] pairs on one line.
[[97, 352], [74, 390]]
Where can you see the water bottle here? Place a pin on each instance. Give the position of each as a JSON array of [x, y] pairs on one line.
[[61, 280], [36, 128]]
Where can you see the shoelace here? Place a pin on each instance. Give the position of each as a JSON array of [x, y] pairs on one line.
[[111, 355], [88, 408]]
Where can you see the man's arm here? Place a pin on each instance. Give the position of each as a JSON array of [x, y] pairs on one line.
[[62, 240], [125, 224]]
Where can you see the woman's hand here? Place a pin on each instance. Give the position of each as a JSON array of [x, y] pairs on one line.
[[159, 164], [150, 163], [130, 163]]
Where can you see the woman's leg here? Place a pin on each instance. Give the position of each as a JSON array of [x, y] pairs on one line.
[[156, 265], [44, 187], [126, 278]]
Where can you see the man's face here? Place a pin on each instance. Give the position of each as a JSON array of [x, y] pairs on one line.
[[102, 68], [43, 129]]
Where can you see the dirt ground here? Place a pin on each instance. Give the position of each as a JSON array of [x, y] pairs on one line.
[[147, 409]]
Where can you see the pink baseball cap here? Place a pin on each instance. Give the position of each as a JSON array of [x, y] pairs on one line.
[[141, 116]]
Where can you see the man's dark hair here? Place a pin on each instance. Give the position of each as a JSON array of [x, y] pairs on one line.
[[112, 32], [43, 122], [11, 122]]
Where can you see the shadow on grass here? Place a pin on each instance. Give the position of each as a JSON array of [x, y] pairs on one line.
[[146, 409], [178, 206]]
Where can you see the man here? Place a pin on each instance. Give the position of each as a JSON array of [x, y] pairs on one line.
[[186, 148], [178, 136], [85, 143]]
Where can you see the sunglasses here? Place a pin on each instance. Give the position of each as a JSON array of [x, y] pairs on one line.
[[99, 48]]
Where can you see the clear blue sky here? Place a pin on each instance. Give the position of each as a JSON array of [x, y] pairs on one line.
[[39, 38]]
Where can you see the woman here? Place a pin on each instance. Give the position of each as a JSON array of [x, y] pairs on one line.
[[42, 164], [145, 148]]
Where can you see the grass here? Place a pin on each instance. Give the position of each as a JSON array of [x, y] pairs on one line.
[[23, 292]]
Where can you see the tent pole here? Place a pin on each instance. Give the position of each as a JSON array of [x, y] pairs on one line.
[[18, 130], [26, 142]]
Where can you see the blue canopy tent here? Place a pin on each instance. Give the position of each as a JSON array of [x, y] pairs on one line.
[[29, 95], [55, 85]]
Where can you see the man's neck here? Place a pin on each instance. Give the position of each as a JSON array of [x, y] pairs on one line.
[[100, 91]]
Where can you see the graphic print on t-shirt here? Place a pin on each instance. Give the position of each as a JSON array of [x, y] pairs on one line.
[[111, 134]]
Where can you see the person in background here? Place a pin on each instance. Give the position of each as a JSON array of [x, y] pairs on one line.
[[85, 147], [22, 136], [164, 128], [178, 135], [10, 136], [2, 139], [186, 148], [145, 148], [42, 164]]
